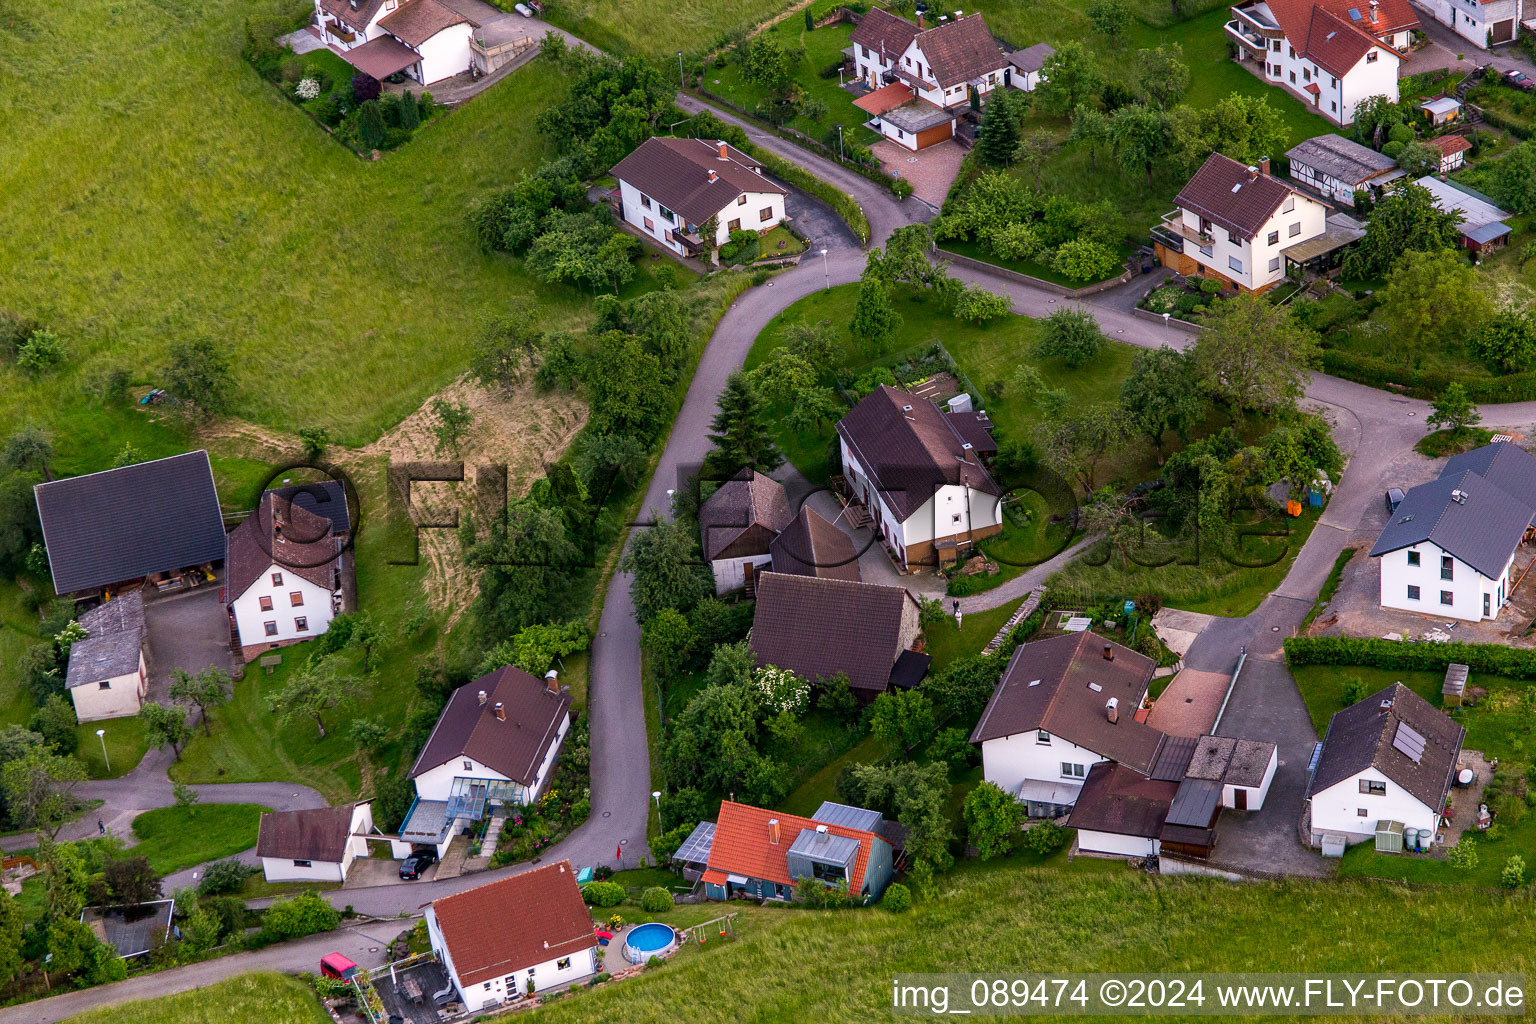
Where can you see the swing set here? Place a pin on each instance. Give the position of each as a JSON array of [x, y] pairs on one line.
[[726, 927]]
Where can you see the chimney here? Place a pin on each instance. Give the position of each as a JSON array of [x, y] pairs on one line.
[[773, 831], [552, 681], [722, 151], [482, 698], [1263, 165], [501, 712], [712, 175], [1112, 710], [821, 829], [1109, 652], [1375, 14], [919, 21]]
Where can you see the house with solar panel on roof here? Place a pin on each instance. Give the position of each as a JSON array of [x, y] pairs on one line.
[[1450, 548], [1391, 759], [762, 854]]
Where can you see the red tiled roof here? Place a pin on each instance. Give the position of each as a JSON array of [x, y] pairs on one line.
[[1449, 145], [1328, 37], [419, 20], [741, 845], [379, 58], [518, 922], [1389, 15], [1312, 88], [887, 97]]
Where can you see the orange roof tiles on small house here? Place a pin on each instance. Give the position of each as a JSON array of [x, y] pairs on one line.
[[887, 97], [754, 843]]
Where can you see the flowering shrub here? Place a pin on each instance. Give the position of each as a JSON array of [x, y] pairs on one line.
[[307, 89], [781, 689]]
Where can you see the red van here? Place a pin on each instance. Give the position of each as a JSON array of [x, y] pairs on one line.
[[334, 965]]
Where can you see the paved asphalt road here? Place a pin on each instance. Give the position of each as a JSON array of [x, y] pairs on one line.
[[1375, 426]]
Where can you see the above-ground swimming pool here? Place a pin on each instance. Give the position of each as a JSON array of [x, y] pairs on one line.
[[648, 940]]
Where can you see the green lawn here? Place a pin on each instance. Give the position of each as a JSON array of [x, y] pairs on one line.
[[266, 997], [1497, 726], [126, 743], [1028, 538], [976, 251], [779, 235], [634, 26], [1088, 916], [947, 644], [174, 838]]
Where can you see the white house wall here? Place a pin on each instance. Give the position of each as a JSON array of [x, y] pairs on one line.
[[1255, 794], [636, 213], [1337, 98], [445, 54], [121, 697], [934, 520], [1473, 21], [730, 574], [437, 783], [542, 777], [1337, 809], [490, 993], [1010, 760], [283, 869], [1259, 258], [1118, 845], [1367, 79], [1467, 586], [317, 609], [750, 213]]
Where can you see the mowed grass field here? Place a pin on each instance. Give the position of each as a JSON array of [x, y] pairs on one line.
[[634, 26], [174, 838], [154, 190], [267, 997]]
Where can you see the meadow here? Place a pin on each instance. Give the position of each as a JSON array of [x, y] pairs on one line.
[[267, 996]]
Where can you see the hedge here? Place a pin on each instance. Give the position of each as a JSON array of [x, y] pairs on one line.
[[1371, 652], [841, 202], [1375, 372]]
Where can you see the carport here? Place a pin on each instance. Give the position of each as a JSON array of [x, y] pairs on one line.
[[379, 58]]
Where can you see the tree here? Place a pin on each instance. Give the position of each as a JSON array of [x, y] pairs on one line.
[[527, 566], [370, 124], [315, 690], [739, 430], [1108, 515], [1090, 128], [39, 788], [1419, 158], [813, 410], [128, 455], [1506, 341], [979, 306], [1160, 395], [603, 457], [1033, 151], [875, 322], [1068, 77], [1111, 17], [451, 422], [367, 735], [1513, 181], [668, 639], [1254, 358], [10, 937], [1163, 74], [765, 63], [211, 688], [1082, 259], [1071, 335], [999, 134], [199, 374], [40, 353], [1375, 116], [1405, 220], [29, 449], [919, 795], [1453, 410], [1142, 136], [185, 796], [165, 726], [668, 570], [131, 880], [291, 917], [1432, 300], [1074, 443], [55, 722], [902, 717], [993, 819], [1242, 126], [814, 342], [315, 440], [536, 647], [505, 346], [1027, 380]]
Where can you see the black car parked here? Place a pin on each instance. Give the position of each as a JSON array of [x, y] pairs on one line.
[[418, 861]]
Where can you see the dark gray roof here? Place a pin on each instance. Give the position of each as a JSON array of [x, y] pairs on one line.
[[1031, 58], [1195, 803], [132, 931], [1250, 762], [818, 627], [1464, 514], [831, 813], [1488, 232], [743, 516], [514, 745], [676, 173], [1122, 801], [314, 833], [1172, 761], [114, 640], [917, 116], [1365, 735], [126, 523], [824, 846], [1341, 158], [1504, 462], [327, 498]]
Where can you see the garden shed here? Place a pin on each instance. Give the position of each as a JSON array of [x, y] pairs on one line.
[[1454, 689]]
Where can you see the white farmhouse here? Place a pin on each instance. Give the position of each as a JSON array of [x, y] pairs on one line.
[[674, 190], [1450, 546], [1062, 706], [427, 40], [1479, 23], [107, 677], [284, 573], [527, 933], [313, 845], [737, 524], [1391, 757], [493, 749], [1329, 54], [1235, 223], [925, 490]]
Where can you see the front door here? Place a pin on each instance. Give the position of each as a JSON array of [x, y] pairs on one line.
[[1240, 799]]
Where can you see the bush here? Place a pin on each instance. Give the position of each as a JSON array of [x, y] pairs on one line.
[[897, 898], [1043, 838], [979, 306], [654, 900], [1355, 692], [1464, 854], [40, 352], [296, 916], [1209, 285], [1513, 875], [224, 876], [603, 894]]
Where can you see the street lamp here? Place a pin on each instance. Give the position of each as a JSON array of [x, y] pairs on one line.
[[101, 734], [826, 269], [656, 795], [839, 142], [1165, 322], [681, 84]]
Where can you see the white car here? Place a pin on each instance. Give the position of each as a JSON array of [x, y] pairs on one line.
[[524, 10]]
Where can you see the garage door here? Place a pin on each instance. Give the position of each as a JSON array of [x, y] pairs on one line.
[[1503, 31]]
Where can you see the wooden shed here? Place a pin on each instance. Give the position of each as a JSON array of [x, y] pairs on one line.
[[1455, 686]]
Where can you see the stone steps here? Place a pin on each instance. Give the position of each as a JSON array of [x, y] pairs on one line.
[[492, 837]]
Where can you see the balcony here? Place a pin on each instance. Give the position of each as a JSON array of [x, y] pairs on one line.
[[344, 34], [1247, 38], [690, 241], [1173, 224]]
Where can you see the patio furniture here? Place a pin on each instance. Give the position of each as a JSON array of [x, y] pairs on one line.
[[412, 989]]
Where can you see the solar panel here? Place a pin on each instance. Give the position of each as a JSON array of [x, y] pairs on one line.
[[1317, 755], [695, 849], [1409, 741], [1095, 687]]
